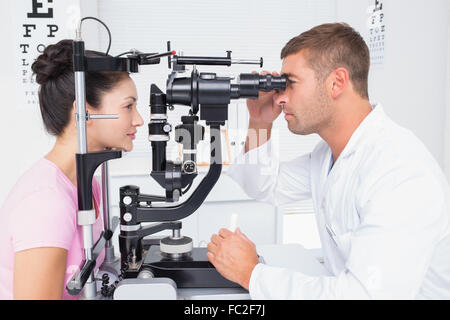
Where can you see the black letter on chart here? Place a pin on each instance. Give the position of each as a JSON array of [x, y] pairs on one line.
[[36, 14], [28, 30], [24, 47], [52, 28]]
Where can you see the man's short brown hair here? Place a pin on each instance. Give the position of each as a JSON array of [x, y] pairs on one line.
[[334, 45]]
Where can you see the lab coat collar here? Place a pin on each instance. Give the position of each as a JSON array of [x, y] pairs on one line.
[[365, 129]]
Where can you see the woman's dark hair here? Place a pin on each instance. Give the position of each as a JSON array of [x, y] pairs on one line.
[[54, 72]]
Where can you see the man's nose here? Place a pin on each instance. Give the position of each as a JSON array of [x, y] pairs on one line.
[[280, 98]]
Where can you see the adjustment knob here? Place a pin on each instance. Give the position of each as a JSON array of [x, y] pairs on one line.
[[189, 166], [175, 248], [167, 128]]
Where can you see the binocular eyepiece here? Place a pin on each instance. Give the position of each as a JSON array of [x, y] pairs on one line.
[[249, 84], [207, 88]]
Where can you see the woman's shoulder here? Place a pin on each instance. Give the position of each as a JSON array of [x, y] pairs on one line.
[[41, 205], [43, 178]]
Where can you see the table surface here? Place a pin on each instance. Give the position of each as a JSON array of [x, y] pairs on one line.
[[292, 256]]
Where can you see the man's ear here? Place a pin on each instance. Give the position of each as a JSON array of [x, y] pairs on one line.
[[338, 82]]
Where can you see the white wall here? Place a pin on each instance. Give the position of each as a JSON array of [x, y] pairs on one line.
[[412, 83], [23, 139], [447, 118]]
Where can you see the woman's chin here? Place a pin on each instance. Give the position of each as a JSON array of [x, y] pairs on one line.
[[120, 148], [128, 148]]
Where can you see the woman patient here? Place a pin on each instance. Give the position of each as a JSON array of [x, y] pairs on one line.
[[41, 244]]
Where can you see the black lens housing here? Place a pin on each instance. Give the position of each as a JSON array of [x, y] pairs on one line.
[[207, 88]]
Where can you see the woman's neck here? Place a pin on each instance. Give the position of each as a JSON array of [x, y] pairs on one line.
[[64, 151], [63, 156]]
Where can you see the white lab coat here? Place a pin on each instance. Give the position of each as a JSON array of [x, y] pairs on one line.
[[383, 215]]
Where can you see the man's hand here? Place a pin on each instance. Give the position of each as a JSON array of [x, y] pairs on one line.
[[263, 111], [233, 255]]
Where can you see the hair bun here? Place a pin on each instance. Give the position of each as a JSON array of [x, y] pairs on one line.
[[53, 62]]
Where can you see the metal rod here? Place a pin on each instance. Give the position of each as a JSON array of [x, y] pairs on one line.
[[80, 96], [109, 248], [105, 196], [90, 288], [244, 61], [102, 116], [159, 55], [176, 233]]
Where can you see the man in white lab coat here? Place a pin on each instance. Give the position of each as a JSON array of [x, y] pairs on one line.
[[381, 201]]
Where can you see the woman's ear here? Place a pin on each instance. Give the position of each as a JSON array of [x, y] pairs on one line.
[[89, 109], [73, 113]]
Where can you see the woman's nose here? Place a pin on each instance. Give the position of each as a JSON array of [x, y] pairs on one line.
[[138, 121]]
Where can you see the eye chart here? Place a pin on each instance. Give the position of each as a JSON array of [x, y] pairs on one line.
[[38, 23], [376, 32]]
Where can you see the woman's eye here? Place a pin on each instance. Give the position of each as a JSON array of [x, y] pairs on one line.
[[129, 106]]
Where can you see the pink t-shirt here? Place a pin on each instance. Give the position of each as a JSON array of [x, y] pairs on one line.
[[41, 211]]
